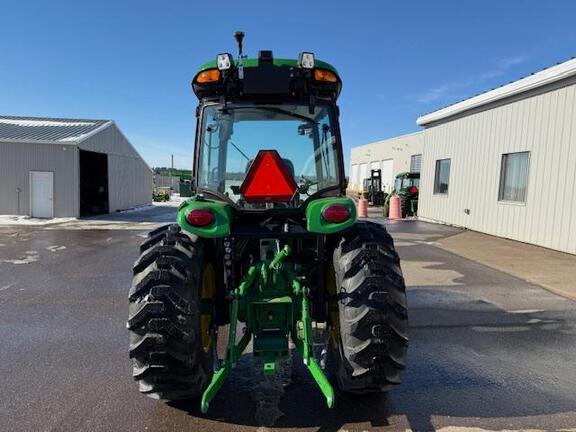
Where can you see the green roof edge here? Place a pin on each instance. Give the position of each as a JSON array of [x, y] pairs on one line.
[[253, 62]]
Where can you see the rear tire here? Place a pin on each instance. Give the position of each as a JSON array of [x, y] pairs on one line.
[[372, 314], [404, 205], [166, 343]]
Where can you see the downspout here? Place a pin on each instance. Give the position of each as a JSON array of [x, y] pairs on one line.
[[18, 191]]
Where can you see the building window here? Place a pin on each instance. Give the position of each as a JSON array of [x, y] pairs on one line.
[[442, 176], [415, 163], [514, 177]]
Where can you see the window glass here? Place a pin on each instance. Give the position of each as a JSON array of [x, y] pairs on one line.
[[514, 177], [232, 136], [415, 163], [406, 182], [442, 176]]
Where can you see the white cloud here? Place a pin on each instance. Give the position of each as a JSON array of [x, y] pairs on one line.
[[452, 89], [501, 66], [436, 93]]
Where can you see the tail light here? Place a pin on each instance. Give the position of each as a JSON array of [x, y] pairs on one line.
[[200, 217], [336, 213]]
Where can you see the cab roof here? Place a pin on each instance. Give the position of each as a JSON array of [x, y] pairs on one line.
[[266, 78]]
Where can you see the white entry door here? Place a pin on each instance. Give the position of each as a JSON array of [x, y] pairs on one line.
[[41, 194], [387, 175]]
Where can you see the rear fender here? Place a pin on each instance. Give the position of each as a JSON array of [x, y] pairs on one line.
[[222, 212], [316, 223]]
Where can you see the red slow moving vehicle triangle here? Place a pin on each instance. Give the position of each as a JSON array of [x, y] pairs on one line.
[[268, 179]]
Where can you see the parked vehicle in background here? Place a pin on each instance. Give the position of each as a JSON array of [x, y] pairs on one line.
[[407, 187], [372, 188]]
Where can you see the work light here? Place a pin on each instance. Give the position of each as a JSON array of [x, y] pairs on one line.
[[224, 61], [306, 60]]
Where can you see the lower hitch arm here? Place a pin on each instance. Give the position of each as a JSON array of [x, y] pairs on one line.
[[304, 343], [305, 346]]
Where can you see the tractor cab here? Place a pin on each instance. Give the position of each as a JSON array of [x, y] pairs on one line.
[[407, 183], [267, 132]]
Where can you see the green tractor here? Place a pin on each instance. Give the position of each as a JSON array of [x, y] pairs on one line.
[[268, 245], [407, 188]]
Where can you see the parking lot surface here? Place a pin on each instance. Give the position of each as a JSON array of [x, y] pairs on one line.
[[488, 351]]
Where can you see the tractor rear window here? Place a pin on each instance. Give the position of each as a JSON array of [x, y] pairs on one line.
[[231, 138]]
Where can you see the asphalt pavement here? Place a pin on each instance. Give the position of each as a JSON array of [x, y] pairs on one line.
[[488, 351]]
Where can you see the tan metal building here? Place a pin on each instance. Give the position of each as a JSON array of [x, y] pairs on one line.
[[53, 167], [392, 156], [504, 162]]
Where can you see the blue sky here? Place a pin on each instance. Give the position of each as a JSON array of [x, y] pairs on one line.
[[132, 61]]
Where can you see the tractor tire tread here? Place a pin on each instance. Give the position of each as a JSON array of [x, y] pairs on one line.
[[165, 342], [372, 310]]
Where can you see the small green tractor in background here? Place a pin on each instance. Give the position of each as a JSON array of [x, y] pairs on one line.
[[269, 240], [407, 188]]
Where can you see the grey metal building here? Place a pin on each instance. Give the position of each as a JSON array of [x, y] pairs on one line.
[[54, 167], [504, 162]]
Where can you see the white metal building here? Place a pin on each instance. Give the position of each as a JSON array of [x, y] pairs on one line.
[[392, 156], [504, 162], [53, 167]]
